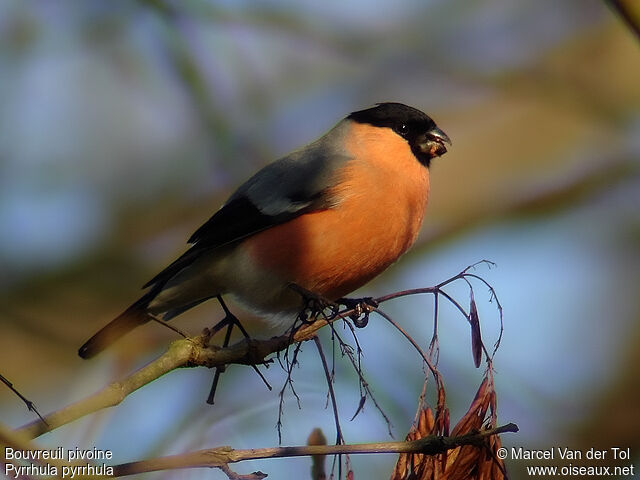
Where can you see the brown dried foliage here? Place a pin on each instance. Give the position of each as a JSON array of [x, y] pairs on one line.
[[469, 462]]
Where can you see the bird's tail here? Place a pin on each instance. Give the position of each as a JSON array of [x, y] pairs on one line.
[[131, 318]]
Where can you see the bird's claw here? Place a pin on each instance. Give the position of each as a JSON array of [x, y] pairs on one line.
[[361, 307], [313, 304]]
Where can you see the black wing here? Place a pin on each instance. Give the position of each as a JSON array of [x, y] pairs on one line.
[[283, 190], [237, 219]]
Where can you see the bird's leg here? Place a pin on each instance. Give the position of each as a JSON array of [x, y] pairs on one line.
[[313, 304], [229, 321], [219, 370], [361, 307]]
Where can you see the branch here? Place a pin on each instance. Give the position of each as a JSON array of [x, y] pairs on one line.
[[220, 457], [626, 12], [196, 351], [187, 352]]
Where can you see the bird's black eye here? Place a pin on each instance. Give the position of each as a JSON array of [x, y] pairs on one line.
[[403, 129]]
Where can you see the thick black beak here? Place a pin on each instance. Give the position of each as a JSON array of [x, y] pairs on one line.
[[432, 142], [438, 135]]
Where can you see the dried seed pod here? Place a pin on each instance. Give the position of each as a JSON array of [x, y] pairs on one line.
[[476, 336]]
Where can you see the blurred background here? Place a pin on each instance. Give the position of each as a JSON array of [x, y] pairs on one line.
[[125, 125]]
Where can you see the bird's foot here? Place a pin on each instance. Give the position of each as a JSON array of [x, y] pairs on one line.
[[229, 321], [313, 304], [361, 308]]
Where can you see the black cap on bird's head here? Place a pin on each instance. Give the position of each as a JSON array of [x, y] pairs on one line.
[[425, 138]]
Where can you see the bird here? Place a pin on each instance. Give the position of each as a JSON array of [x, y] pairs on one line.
[[326, 218]]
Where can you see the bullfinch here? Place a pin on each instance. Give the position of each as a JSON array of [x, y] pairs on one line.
[[327, 218]]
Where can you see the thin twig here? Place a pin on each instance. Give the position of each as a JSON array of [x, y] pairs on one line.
[[166, 324], [217, 457], [626, 14], [434, 344], [30, 405], [347, 350], [424, 356], [332, 395], [236, 476], [289, 382], [334, 403]]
